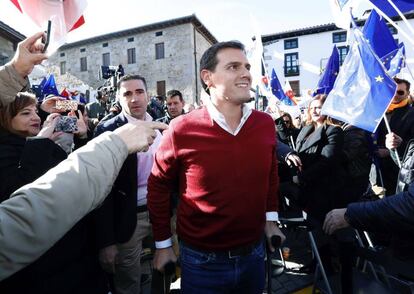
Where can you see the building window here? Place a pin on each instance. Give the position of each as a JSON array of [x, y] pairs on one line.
[[339, 37], [83, 64], [131, 56], [63, 67], [161, 88], [157, 34], [291, 64], [106, 59], [159, 51], [105, 45], [343, 52], [131, 39], [291, 43], [82, 50], [62, 54], [295, 85]]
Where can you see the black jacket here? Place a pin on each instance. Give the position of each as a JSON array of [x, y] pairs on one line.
[[116, 218], [22, 161], [71, 265], [401, 123], [322, 175]]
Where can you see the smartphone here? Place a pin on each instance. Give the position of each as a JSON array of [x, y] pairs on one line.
[[46, 40], [67, 124]]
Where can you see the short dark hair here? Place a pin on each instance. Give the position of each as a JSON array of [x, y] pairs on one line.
[[209, 59], [8, 112], [131, 77], [172, 93], [401, 81]]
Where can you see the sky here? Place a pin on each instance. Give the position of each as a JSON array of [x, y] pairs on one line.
[[225, 19]]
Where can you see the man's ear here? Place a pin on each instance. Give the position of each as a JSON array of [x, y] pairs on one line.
[[205, 75]]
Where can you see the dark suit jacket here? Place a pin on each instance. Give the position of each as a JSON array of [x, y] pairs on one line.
[[116, 218], [322, 175]]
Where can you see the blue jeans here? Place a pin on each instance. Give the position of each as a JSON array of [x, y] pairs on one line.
[[210, 272]]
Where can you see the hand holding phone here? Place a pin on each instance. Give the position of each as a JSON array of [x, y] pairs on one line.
[[66, 124], [46, 40]]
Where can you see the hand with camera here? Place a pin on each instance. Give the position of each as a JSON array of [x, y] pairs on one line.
[[49, 105], [82, 128], [28, 54], [48, 129]]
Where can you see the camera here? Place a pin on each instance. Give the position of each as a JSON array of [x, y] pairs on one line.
[[67, 124]]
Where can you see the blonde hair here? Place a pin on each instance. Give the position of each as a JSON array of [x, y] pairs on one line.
[[327, 120]]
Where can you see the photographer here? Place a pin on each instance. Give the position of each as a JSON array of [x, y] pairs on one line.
[[98, 109]]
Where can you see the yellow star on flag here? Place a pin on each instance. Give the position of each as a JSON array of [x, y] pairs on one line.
[[379, 79]]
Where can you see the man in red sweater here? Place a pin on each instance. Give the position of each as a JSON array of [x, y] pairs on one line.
[[222, 161]]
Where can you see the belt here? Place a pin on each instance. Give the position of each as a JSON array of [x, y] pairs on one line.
[[232, 253], [142, 208]]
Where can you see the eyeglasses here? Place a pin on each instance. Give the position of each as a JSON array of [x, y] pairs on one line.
[[400, 92], [287, 121]]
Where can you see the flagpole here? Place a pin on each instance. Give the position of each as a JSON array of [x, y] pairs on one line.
[[393, 23], [402, 16], [387, 125]]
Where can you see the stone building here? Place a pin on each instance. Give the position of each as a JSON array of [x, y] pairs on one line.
[[9, 38], [166, 53]]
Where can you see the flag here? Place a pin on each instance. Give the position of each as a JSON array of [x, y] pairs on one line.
[[403, 5], [379, 35], [65, 93], [278, 91], [289, 92], [395, 60], [65, 16], [329, 75], [50, 87], [254, 55], [363, 89], [341, 12]]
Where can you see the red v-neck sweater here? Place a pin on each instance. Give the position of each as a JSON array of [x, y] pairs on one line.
[[226, 183]]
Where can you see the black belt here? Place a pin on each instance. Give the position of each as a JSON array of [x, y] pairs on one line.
[[232, 253], [142, 208]]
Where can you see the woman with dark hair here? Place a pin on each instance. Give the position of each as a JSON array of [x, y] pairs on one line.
[[26, 153]]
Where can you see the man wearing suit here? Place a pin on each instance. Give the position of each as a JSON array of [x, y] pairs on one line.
[[123, 220]]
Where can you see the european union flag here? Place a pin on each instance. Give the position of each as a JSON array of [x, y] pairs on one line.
[[50, 86], [363, 90], [403, 5], [329, 75], [395, 60], [379, 35], [278, 91]]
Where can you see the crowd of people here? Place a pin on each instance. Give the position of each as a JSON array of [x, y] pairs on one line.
[[77, 205]]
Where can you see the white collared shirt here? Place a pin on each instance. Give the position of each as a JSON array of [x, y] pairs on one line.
[[145, 160], [219, 118]]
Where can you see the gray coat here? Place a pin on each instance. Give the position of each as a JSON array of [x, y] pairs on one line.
[[10, 84], [50, 205]]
